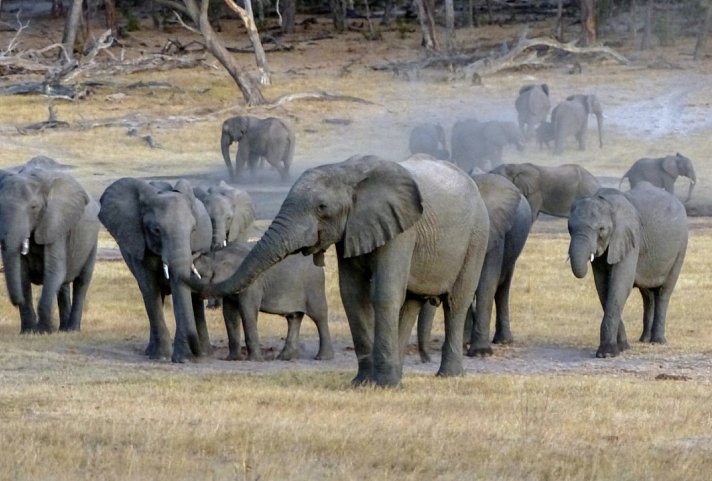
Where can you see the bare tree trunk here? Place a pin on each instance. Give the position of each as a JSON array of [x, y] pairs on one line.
[[71, 26], [588, 22], [57, 8], [248, 19], [387, 13], [559, 26], [450, 25], [646, 41], [338, 13], [250, 90], [111, 20], [701, 44], [289, 13], [427, 23], [632, 27]]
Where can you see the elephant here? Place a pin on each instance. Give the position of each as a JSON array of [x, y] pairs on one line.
[[550, 190], [291, 288], [429, 139], [570, 117], [545, 134], [662, 172], [231, 212], [405, 233], [48, 236], [474, 143], [257, 138], [159, 231], [510, 223], [632, 239], [532, 106]]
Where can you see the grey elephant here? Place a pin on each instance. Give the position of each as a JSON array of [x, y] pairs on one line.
[[510, 223], [290, 288], [662, 172], [570, 118], [257, 138], [632, 239], [532, 106], [159, 231], [429, 139], [231, 212], [480, 144], [550, 190], [405, 233], [48, 236], [545, 135]]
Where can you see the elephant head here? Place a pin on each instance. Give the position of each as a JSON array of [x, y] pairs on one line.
[[37, 207], [605, 223], [678, 164], [233, 129], [358, 204], [231, 212], [592, 105]]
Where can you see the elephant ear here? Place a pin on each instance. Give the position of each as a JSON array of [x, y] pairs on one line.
[[501, 198], [626, 227], [669, 165], [200, 193], [527, 179], [121, 213], [243, 215], [65, 200], [386, 202], [201, 237]]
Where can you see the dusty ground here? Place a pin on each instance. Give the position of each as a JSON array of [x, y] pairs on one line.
[[649, 111]]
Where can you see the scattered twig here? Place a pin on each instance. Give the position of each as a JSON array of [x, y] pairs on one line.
[[50, 123]]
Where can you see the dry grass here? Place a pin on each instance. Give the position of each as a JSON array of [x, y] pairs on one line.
[[90, 406]]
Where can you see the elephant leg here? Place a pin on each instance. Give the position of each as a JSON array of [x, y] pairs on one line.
[[241, 158], [231, 316], [186, 343], [354, 286], [55, 272], [64, 305], [425, 327], [622, 337], [620, 283], [201, 325], [503, 332], [484, 299], [409, 313], [249, 308], [319, 312], [648, 313], [291, 344], [80, 287], [662, 300], [159, 346], [581, 138], [28, 316]]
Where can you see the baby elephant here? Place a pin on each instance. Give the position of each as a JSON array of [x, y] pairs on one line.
[[291, 288], [662, 172], [545, 135], [429, 139]]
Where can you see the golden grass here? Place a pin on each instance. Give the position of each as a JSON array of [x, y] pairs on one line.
[[89, 405]]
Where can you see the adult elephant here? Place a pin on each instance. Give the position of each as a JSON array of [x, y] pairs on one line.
[[479, 145], [532, 106], [159, 231], [550, 190], [510, 222], [405, 233], [662, 172], [231, 212], [570, 118], [632, 239], [291, 288], [429, 139], [269, 138], [48, 236]]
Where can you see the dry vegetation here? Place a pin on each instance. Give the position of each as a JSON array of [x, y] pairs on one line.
[[90, 406]]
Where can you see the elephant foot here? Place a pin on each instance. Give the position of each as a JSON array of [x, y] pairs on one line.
[[361, 380], [255, 356], [388, 377], [424, 356], [288, 354], [44, 328], [502, 339], [182, 353], [28, 329], [482, 351], [71, 327], [326, 354], [450, 371], [645, 337], [623, 346], [234, 356], [157, 350], [658, 340], [607, 350]]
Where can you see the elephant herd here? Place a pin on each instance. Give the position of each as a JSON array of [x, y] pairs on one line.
[[409, 236]]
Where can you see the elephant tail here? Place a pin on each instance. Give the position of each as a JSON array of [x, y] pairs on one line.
[[622, 179]]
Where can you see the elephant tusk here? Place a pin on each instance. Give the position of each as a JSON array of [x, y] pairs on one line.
[[25, 247], [224, 243], [165, 271], [592, 257], [194, 270]]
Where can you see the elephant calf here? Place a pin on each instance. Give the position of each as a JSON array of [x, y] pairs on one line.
[[662, 172], [291, 288], [480, 144], [632, 239], [429, 139]]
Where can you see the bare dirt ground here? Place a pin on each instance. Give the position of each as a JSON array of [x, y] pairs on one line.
[[649, 111]]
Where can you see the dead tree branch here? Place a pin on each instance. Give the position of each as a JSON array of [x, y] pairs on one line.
[[317, 95]]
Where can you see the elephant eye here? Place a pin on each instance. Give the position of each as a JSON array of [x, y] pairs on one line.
[[322, 209]]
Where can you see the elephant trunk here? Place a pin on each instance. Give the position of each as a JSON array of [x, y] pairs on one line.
[[225, 142], [280, 240], [693, 181], [580, 253], [219, 234], [15, 244], [13, 275], [599, 120]]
